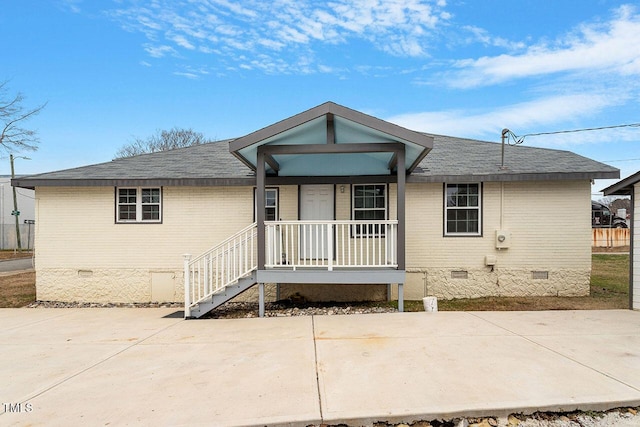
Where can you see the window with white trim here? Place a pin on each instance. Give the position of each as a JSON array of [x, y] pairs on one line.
[[369, 202], [270, 204], [139, 204], [462, 207]]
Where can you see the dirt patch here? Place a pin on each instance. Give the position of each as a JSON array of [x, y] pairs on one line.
[[17, 290], [619, 249], [15, 254]]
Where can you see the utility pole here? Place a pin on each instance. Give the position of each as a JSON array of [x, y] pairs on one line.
[[15, 212]]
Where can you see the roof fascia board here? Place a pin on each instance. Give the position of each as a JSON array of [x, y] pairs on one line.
[[419, 158], [299, 180], [623, 187], [512, 177], [246, 162], [158, 182]]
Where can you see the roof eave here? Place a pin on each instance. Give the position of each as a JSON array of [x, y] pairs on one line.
[[514, 177], [156, 182], [623, 187]]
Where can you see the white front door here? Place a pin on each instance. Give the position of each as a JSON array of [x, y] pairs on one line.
[[316, 203]]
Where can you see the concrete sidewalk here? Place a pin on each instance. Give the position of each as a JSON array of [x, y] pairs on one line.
[[150, 367]]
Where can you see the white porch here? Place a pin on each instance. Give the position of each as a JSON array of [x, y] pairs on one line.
[[302, 252], [330, 145]]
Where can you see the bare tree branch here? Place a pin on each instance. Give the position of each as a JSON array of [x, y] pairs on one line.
[[162, 140], [13, 136]]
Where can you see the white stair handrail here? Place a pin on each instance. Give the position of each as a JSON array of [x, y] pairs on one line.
[[220, 266]]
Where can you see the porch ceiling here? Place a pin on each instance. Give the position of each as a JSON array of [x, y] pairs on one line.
[[364, 145]]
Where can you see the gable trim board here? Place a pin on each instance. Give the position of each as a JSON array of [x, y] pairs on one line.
[[208, 195]]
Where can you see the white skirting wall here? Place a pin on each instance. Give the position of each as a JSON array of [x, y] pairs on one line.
[[141, 286]]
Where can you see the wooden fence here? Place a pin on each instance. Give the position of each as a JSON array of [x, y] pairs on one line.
[[610, 237]]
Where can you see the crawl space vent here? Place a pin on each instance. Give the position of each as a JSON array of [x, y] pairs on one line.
[[540, 275], [459, 274]]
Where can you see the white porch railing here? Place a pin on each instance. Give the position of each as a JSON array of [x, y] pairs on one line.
[[220, 266], [331, 244]]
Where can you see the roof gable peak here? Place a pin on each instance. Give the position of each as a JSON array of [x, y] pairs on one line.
[[331, 123]]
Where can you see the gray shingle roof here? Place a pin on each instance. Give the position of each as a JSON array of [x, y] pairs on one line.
[[459, 159], [452, 160]]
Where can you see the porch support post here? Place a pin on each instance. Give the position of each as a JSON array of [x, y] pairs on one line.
[[402, 178], [261, 299], [260, 183]]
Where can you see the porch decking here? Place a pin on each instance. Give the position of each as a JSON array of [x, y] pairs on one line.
[[302, 252]]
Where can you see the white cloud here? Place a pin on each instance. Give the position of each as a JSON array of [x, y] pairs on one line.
[[517, 117], [483, 36], [188, 75], [70, 5], [158, 51], [587, 73], [182, 41], [613, 46], [398, 27]]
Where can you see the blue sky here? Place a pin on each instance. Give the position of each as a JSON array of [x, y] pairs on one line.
[[115, 70]]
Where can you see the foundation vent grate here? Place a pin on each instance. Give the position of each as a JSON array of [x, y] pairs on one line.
[[540, 275], [459, 274]]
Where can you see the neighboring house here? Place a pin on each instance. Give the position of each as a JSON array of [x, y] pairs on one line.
[[25, 199], [349, 207], [630, 186]]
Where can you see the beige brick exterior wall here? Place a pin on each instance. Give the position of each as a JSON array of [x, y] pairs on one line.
[[83, 255], [550, 228]]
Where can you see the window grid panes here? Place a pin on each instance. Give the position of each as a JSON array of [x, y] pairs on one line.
[[369, 203], [271, 204], [139, 205], [127, 198], [462, 209], [151, 204]]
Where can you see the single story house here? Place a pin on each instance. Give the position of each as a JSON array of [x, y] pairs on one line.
[[630, 186], [331, 204]]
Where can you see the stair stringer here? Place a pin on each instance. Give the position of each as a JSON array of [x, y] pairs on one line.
[[224, 295]]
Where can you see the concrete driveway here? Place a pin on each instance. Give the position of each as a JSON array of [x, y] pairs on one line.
[[150, 367]]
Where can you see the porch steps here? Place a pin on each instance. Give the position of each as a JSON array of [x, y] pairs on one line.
[[229, 292]]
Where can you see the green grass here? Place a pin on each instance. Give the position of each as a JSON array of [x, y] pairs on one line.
[[610, 275], [609, 290]]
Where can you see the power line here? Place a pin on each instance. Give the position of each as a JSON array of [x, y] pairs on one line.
[[583, 130], [520, 139], [619, 160]]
